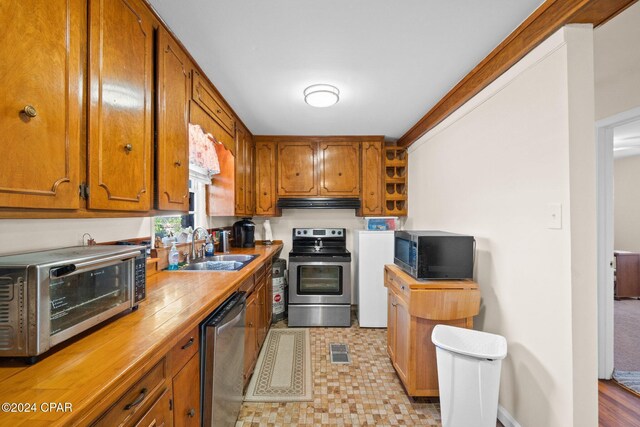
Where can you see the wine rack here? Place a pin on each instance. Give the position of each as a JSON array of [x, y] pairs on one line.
[[395, 181]]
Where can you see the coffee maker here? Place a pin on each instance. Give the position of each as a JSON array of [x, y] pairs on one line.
[[244, 234]]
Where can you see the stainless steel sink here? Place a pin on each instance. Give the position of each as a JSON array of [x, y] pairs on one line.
[[230, 262]]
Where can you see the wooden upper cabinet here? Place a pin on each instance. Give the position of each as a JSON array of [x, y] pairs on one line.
[[241, 182], [250, 177], [211, 102], [297, 168], [372, 179], [172, 120], [41, 103], [339, 168], [120, 105], [265, 178]]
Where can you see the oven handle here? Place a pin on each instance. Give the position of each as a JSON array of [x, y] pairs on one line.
[[79, 267]]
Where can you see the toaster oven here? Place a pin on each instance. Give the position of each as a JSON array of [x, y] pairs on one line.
[[50, 296]]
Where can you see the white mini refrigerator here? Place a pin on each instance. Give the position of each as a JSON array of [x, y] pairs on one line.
[[373, 249]]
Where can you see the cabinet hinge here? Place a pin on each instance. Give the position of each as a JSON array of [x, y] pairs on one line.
[[84, 190]]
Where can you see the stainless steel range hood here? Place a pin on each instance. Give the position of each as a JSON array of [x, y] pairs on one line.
[[319, 203]]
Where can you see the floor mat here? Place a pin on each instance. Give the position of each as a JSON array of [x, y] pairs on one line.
[[628, 379], [283, 369]]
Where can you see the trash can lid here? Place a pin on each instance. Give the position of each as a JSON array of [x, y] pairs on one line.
[[469, 342]]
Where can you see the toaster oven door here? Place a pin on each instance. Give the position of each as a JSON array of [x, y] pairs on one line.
[[84, 294]]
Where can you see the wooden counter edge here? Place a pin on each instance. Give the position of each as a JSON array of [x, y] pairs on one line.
[[90, 408]]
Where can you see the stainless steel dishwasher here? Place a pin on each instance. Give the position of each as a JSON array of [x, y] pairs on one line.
[[222, 361]]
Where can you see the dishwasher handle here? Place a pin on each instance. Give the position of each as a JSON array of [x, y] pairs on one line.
[[230, 311]]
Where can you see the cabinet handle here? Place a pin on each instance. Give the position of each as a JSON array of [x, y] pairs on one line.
[[371, 194], [297, 173], [218, 111], [29, 111], [188, 344], [265, 193], [140, 398], [339, 173], [394, 304], [251, 324], [178, 163], [128, 148], [191, 413]]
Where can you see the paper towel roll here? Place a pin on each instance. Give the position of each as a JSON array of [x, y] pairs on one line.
[[268, 235]]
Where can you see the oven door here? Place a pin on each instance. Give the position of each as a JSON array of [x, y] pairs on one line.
[[80, 295], [319, 282]]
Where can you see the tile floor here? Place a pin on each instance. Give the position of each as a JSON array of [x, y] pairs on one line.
[[365, 392]]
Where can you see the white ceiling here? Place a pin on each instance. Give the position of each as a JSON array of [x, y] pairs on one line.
[[391, 60], [626, 140]]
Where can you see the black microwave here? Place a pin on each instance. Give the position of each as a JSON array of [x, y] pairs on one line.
[[434, 254]]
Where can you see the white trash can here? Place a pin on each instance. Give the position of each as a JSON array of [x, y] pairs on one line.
[[468, 375]]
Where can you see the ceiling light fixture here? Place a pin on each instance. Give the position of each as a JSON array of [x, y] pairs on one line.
[[321, 95]]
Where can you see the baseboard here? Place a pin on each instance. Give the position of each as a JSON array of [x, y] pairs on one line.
[[506, 419]]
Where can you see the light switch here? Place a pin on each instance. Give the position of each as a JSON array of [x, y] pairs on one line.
[[554, 216]]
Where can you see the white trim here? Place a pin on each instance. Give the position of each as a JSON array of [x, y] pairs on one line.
[[604, 160], [506, 419]]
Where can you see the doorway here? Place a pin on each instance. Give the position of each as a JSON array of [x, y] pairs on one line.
[[618, 137]]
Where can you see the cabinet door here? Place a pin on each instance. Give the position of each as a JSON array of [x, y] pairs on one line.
[[172, 112], [297, 169], [250, 336], [41, 102], [402, 333], [391, 325], [241, 171], [262, 312], [250, 176], [372, 191], [186, 394], [339, 168], [120, 101], [265, 182], [159, 415], [269, 296]]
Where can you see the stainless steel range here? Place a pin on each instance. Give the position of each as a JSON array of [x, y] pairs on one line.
[[319, 278]]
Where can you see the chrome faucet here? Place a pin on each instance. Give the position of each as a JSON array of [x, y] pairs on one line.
[[194, 254]]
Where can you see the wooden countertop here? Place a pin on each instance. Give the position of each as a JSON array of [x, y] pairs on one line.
[[87, 370], [414, 283]]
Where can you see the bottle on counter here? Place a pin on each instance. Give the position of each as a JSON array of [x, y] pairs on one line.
[[174, 257], [208, 247]]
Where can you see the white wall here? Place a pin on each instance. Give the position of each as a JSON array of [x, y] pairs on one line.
[[626, 204], [490, 170], [23, 235], [617, 64], [299, 218]]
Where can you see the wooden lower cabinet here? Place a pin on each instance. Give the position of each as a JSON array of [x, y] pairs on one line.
[[258, 318], [186, 394], [414, 309], [250, 334]]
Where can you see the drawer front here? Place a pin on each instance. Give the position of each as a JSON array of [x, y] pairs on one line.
[[136, 398], [159, 415], [259, 274], [209, 101], [398, 284], [188, 345], [248, 285]]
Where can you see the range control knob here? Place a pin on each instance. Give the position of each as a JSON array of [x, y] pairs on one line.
[[333, 231], [305, 231]]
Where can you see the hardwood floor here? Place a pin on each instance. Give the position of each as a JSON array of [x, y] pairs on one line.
[[618, 407]]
